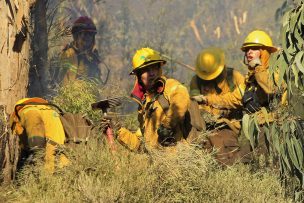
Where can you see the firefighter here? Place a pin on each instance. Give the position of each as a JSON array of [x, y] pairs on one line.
[[40, 130], [260, 88], [219, 89], [80, 58], [260, 85], [162, 104]]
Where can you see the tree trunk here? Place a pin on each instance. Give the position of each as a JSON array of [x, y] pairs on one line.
[[14, 66], [14, 51], [39, 65]]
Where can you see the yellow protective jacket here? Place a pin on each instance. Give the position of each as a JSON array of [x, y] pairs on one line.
[[221, 98], [151, 116], [38, 123], [74, 65]]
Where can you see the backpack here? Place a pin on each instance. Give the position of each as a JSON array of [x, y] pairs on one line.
[[230, 79], [193, 123]]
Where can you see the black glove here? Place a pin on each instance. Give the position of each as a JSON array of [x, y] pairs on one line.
[[250, 102], [166, 136]]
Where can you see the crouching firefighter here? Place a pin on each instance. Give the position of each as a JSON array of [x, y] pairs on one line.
[[162, 105], [218, 89], [40, 131]]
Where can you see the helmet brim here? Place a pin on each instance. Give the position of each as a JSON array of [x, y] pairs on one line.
[[271, 49], [146, 65]]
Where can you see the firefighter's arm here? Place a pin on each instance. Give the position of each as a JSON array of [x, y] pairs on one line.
[[179, 101], [264, 80], [230, 100], [129, 139]]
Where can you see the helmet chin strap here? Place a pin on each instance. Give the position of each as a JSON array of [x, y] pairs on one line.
[[245, 61]]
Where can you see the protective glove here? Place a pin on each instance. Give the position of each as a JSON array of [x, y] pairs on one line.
[[200, 99], [110, 120], [250, 102], [247, 97], [166, 136]]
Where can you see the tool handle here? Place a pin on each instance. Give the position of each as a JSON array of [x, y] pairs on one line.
[[110, 138]]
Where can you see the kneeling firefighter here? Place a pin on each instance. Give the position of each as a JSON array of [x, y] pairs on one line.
[[40, 129], [218, 89], [162, 105]]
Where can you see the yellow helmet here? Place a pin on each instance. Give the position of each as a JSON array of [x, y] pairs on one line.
[[258, 38], [30, 100], [210, 63], [144, 57]]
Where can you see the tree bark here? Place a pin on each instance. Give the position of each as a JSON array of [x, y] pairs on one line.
[[38, 75], [14, 51], [14, 68]]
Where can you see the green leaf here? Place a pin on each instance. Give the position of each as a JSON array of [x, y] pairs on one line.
[[299, 152], [292, 126], [282, 70], [275, 137], [285, 33], [299, 37], [298, 61], [245, 126], [292, 153], [285, 19], [296, 75], [283, 153], [267, 132], [294, 19], [248, 129], [256, 123]]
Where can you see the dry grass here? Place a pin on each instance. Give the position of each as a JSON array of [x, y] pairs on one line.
[[187, 175]]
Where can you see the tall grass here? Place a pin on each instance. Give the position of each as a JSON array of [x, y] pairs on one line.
[[187, 175]]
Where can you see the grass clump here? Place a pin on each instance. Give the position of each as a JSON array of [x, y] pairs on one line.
[[77, 97]]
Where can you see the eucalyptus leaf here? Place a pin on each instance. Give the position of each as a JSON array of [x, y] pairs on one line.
[[284, 155], [295, 74], [299, 152], [292, 153], [282, 70], [298, 61], [245, 126], [294, 19]]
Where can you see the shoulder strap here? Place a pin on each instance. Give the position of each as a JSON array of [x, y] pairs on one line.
[[230, 79], [164, 103], [198, 82]]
